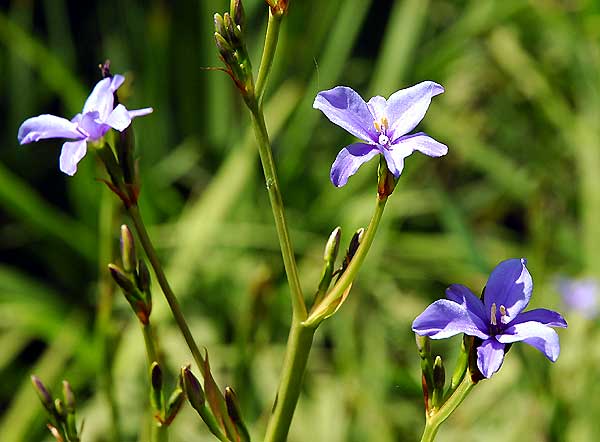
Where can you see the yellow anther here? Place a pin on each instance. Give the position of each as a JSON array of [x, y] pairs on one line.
[[502, 310], [377, 126], [493, 315], [384, 123]]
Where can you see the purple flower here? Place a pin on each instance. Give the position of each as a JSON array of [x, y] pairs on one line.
[[580, 295], [381, 124], [96, 118], [498, 320]]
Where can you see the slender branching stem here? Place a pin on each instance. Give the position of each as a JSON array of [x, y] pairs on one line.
[[337, 291], [268, 55], [285, 243], [148, 247]]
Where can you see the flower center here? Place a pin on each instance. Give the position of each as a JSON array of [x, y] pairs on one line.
[[381, 126], [494, 319]]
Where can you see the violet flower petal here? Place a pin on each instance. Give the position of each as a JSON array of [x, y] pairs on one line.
[[344, 107], [101, 98], [543, 316], [462, 295], [349, 160], [540, 336], [509, 285], [47, 126], [407, 107], [119, 118], [378, 106], [423, 143], [140, 112], [445, 318], [490, 355], [72, 152], [394, 160]]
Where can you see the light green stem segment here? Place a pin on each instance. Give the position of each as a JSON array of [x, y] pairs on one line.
[[144, 238], [160, 433], [337, 291], [267, 56], [150, 342], [287, 251], [437, 417], [298, 348]]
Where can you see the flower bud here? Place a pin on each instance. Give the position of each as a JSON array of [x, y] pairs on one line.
[[69, 397], [143, 277], [219, 25], [239, 16], [230, 28], [439, 379], [43, 393], [193, 389], [122, 279], [156, 387], [127, 249], [59, 406], [234, 412], [174, 405]]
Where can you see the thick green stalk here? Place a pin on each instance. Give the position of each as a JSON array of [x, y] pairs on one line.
[[337, 291], [287, 251], [268, 54], [298, 349], [144, 238], [437, 417]]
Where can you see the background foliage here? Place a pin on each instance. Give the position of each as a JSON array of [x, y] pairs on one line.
[[521, 117]]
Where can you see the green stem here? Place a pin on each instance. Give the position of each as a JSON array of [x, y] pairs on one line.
[[437, 417], [105, 305], [268, 54], [287, 251], [150, 342], [350, 273], [298, 349], [160, 433], [135, 215]]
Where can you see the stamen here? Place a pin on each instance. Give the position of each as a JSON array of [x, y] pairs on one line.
[[502, 310], [377, 126], [493, 315], [503, 317], [384, 123]]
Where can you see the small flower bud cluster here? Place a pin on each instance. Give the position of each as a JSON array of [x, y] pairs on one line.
[[60, 411], [229, 39], [165, 411], [133, 277], [221, 413]]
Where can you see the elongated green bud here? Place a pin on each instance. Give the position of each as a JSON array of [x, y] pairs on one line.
[[156, 387], [174, 404], [43, 393], [219, 25], [59, 406], [122, 279], [235, 413], [193, 389], [225, 50], [232, 37], [439, 379], [239, 15], [69, 397], [143, 277], [127, 250], [424, 349]]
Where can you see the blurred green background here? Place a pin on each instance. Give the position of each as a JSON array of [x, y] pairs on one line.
[[521, 117]]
